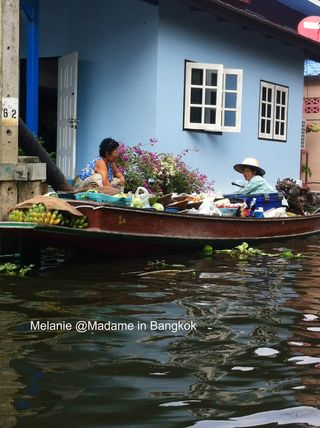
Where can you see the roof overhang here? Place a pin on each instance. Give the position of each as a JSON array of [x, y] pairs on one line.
[[306, 7], [312, 78], [257, 23]]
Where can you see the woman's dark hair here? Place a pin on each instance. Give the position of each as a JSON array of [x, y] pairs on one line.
[[255, 170], [107, 146]]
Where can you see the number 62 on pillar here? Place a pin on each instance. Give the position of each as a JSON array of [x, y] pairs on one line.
[[9, 111]]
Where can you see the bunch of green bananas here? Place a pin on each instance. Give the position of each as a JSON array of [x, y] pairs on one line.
[[74, 222], [39, 214], [78, 222], [17, 215]]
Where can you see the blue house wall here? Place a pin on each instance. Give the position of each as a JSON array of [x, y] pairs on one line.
[[202, 37], [131, 77], [117, 46]]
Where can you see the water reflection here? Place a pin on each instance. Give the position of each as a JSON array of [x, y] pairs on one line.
[[253, 319], [296, 415], [305, 340], [10, 383]]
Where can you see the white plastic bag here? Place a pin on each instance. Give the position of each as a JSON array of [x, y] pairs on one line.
[[276, 212], [143, 196], [208, 207]]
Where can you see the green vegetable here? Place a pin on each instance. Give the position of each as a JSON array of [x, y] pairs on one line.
[[153, 199], [158, 207], [137, 203]]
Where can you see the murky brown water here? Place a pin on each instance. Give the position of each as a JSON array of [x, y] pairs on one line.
[[247, 352]]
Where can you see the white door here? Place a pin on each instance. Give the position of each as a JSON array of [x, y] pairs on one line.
[[67, 113]]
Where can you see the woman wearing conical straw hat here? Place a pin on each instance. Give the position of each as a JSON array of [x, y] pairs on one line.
[[253, 174]]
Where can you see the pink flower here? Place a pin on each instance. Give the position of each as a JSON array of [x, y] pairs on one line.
[[168, 171]]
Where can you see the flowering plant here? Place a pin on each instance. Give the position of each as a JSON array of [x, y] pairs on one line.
[[159, 172]]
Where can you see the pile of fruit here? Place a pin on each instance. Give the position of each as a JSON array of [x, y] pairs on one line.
[[39, 214]]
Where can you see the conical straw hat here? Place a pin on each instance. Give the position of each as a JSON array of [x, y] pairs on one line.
[[249, 162]]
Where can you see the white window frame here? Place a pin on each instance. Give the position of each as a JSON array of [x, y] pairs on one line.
[[272, 107], [221, 92], [238, 92]]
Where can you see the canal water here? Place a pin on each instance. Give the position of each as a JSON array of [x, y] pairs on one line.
[[213, 342]]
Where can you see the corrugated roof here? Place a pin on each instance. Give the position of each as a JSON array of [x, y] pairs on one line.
[[257, 22]]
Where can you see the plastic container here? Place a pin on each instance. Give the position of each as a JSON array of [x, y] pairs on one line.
[[171, 210], [228, 212], [258, 213], [66, 195], [264, 200], [101, 197]]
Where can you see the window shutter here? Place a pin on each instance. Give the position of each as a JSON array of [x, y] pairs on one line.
[[266, 110], [280, 113], [203, 96], [273, 111], [231, 100]]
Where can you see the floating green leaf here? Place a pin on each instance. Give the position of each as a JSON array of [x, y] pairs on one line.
[[243, 251], [13, 269], [287, 254], [207, 250], [161, 264], [23, 271], [224, 251]]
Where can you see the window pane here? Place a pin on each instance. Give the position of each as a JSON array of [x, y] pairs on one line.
[[263, 110], [277, 112], [278, 97], [195, 114], [196, 76], [269, 95], [211, 97], [196, 95], [269, 110], [230, 100], [231, 82], [283, 111], [212, 78], [277, 128], [263, 126], [210, 115], [264, 93], [284, 98], [268, 127], [282, 128], [229, 118]]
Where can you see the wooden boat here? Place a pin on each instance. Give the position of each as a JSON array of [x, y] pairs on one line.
[[126, 232]]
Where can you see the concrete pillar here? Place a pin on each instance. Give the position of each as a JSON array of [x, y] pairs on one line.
[[9, 87]]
